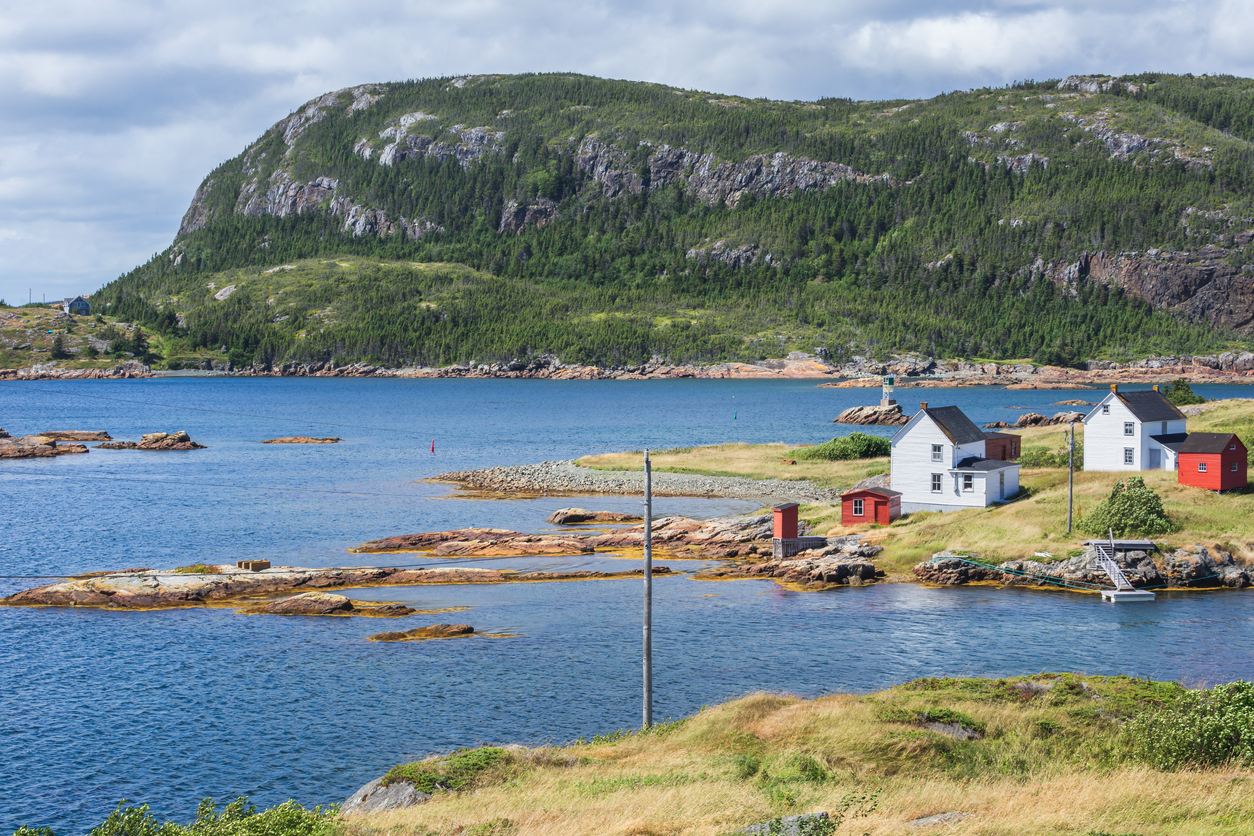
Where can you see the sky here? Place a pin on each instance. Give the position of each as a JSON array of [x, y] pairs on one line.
[[112, 112]]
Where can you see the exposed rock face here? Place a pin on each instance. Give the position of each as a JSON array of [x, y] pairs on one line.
[[843, 561], [867, 415], [514, 216], [155, 441], [4, 434], [302, 439], [1183, 568], [377, 798], [575, 516], [311, 603], [51, 371], [36, 447], [75, 435], [1203, 284], [435, 631], [1035, 419], [480, 542]]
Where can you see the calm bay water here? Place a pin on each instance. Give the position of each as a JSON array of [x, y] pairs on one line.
[[171, 707]]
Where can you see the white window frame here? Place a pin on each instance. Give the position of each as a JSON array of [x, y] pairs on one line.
[[1232, 446], [1235, 469], [968, 482], [858, 508], [1201, 467], [1129, 455], [1105, 409], [938, 484], [938, 453], [1129, 428]]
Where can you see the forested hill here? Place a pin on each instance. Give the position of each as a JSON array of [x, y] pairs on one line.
[[493, 217]]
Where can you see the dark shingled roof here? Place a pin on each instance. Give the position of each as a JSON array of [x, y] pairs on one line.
[[991, 436], [887, 493], [983, 465], [1171, 441], [1150, 405], [954, 424], [1206, 443]]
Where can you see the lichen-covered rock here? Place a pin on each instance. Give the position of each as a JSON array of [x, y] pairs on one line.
[[868, 415], [575, 516], [435, 631], [311, 603], [377, 798]]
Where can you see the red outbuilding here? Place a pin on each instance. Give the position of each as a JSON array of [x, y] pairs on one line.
[[870, 505], [1001, 446], [1215, 461]]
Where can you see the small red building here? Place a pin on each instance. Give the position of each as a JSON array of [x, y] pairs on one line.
[[870, 505], [1214, 461], [786, 521], [1001, 446]]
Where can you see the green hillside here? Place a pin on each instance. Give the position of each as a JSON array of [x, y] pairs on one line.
[[494, 217]]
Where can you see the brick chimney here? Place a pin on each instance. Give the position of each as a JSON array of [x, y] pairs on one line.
[[923, 405], [1155, 387], [1114, 387]]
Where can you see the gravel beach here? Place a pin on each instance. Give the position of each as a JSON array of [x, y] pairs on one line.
[[565, 477]]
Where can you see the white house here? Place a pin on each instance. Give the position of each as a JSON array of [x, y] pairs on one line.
[[938, 464], [1137, 430]]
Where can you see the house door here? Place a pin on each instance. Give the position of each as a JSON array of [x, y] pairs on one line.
[[1155, 459]]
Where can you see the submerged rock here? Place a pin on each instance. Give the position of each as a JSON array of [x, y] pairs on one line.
[[303, 439]]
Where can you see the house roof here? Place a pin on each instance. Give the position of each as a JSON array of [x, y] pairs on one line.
[[983, 465], [991, 436], [887, 493], [1206, 443], [1150, 405], [954, 423], [1171, 441]]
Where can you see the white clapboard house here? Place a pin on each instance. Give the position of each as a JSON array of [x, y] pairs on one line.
[[939, 464], [1135, 430]]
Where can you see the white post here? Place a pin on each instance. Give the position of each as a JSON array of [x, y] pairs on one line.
[[1070, 476], [648, 591]]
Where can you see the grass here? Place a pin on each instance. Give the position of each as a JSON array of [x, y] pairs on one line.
[[1053, 760]]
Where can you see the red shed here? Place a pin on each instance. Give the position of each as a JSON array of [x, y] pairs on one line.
[[786, 521], [870, 505], [1001, 446], [1215, 461]]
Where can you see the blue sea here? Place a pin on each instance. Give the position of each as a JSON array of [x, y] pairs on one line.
[[170, 707]]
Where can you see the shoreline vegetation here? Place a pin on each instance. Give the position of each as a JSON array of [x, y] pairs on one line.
[[1048, 753]]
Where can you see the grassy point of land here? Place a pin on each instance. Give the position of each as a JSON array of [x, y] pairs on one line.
[[1035, 523], [1050, 757]]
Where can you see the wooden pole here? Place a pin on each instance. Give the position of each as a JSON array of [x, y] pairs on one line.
[[1070, 476], [648, 591]]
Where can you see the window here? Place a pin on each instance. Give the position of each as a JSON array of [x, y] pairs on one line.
[[1201, 467], [1234, 467], [1232, 446], [936, 483], [1105, 409], [1129, 428], [937, 453], [968, 482], [1164, 432], [857, 507], [1127, 455]]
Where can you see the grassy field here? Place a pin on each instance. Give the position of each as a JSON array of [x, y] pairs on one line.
[[1036, 523], [1052, 760]]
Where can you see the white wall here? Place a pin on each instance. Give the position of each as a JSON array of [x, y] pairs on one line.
[[1104, 440], [912, 469]]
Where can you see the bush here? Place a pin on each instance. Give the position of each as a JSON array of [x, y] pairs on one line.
[[1044, 457], [58, 348], [1131, 508], [454, 772], [1201, 728], [852, 446], [1180, 393]]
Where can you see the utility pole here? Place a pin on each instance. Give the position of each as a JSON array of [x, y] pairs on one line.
[[1070, 476], [648, 591]]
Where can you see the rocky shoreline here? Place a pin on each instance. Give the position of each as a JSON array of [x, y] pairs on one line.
[[567, 478]]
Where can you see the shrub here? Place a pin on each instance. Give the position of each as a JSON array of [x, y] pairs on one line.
[[1201, 728], [454, 772], [58, 348], [1180, 393], [239, 818], [852, 446], [1044, 457], [1131, 508], [196, 569]]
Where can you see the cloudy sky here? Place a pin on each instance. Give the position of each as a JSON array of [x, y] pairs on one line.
[[112, 111]]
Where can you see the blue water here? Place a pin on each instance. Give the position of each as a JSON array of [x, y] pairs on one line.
[[171, 707]]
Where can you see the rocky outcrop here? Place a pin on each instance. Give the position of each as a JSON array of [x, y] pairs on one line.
[[435, 631], [575, 516], [1035, 419], [844, 561], [310, 603], [1208, 285], [1193, 567], [147, 589], [179, 440], [76, 435], [4, 434], [869, 415], [52, 371], [745, 255], [302, 439], [36, 447], [377, 797], [514, 217], [707, 178], [478, 542]]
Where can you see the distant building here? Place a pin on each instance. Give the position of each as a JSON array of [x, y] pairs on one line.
[[1002, 446], [78, 306], [870, 505], [1138, 430], [939, 463], [1215, 461]]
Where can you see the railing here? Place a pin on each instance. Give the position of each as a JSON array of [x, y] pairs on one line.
[[1111, 568]]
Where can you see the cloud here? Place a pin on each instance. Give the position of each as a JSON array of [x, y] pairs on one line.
[[116, 109]]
